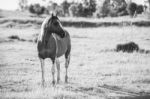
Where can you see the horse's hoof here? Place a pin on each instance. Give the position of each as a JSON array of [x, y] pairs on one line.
[[53, 82]]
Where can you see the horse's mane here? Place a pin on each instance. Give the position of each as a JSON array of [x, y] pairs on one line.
[[45, 25], [48, 20]]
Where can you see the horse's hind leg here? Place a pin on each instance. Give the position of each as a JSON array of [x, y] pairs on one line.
[[58, 70], [66, 66], [42, 68]]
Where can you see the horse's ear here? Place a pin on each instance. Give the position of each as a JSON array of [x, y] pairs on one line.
[[52, 15]]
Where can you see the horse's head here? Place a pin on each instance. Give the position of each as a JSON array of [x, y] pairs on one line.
[[54, 26]]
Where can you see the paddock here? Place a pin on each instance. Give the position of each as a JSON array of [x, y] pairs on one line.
[[93, 72]]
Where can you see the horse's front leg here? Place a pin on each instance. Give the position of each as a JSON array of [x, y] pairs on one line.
[[58, 69], [53, 72], [42, 69]]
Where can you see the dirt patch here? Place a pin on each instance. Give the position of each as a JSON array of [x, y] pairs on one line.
[[136, 97]]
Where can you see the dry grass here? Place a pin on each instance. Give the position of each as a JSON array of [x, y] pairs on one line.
[[95, 72]]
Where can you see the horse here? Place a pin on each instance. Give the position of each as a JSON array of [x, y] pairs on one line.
[[53, 42]]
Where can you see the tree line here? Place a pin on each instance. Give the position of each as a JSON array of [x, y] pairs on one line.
[[88, 8]]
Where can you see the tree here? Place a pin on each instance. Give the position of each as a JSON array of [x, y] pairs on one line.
[[89, 7], [73, 9], [114, 8], [140, 9], [92, 6], [149, 4], [105, 9], [37, 9], [23, 5], [65, 5], [54, 6], [85, 9], [80, 10], [121, 9], [132, 7]]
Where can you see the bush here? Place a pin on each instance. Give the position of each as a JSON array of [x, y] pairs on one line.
[[36, 9], [80, 10], [23, 5], [85, 9], [73, 10], [59, 11], [121, 9], [127, 47], [112, 8], [105, 9], [140, 9], [90, 7], [65, 5], [131, 8]]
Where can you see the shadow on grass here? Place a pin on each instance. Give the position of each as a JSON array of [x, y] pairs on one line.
[[130, 94], [62, 96], [105, 91], [137, 97]]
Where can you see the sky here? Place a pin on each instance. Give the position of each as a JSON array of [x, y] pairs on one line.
[[13, 4], [8, 4]]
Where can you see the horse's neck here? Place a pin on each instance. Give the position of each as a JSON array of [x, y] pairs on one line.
[[44, 37], [56, 37]]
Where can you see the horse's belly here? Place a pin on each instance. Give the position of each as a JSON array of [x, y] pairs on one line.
[[46, 53], [61, 51]]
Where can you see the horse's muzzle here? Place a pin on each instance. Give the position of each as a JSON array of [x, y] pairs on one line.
[[63, 34]]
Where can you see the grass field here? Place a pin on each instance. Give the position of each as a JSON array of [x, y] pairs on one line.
[[95, 71]]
